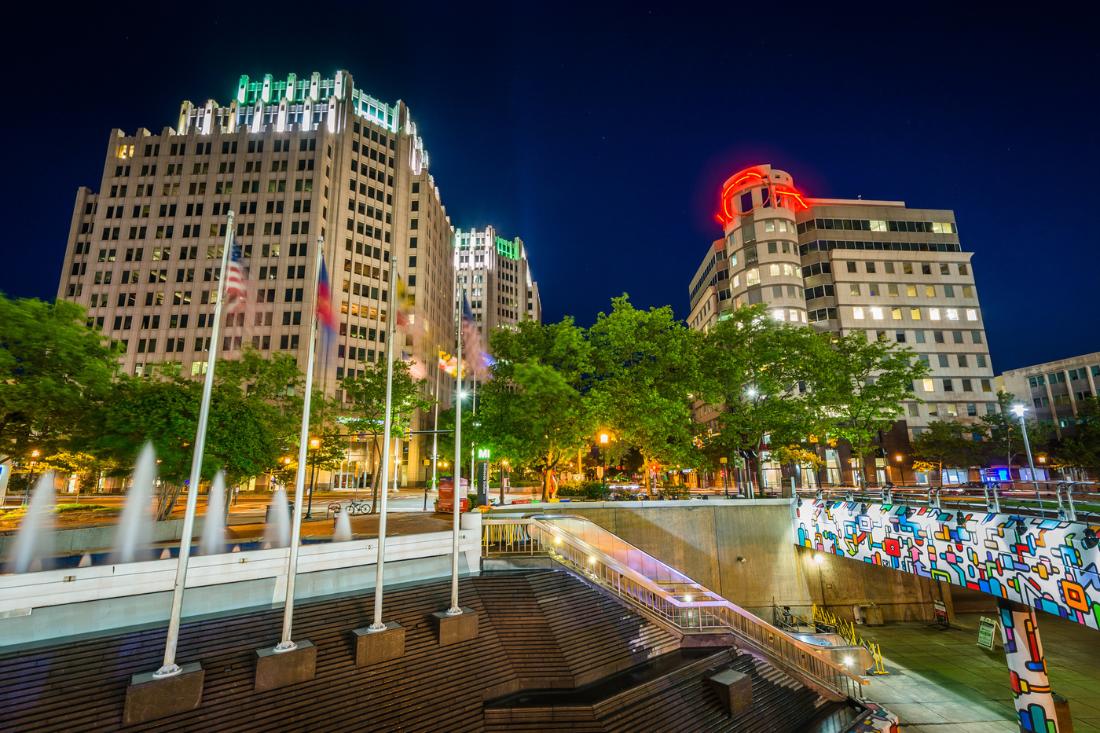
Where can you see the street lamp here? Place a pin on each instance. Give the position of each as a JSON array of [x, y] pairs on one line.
[[30, 475], [1018, 410], [314, 444]]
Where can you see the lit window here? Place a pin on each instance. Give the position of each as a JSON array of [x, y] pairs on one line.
[[934, 314], [792, 315], [777, 314], [769, 225], [914, 314], [752, 277], [928, 385], [774, 270], [857, 313], [737, 280], [878, 226], [952, 314], [911, 291], [930, 291], [895, 313], [876, 313], [853, 288], [971, 314]]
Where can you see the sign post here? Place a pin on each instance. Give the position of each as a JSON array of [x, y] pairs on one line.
[[987, 632]]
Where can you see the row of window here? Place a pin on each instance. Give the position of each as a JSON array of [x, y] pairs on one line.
[[878, 225], [1060, 377], [877, 313], [827, 245]]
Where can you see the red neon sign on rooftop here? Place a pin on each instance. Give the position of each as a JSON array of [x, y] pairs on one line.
[[783, 194]]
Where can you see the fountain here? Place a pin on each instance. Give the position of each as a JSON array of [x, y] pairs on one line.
[[342, 533], [213, 529], [135, 526], [277, 533], [33, 541]]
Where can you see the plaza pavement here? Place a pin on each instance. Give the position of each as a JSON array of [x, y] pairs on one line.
[[942, 681]]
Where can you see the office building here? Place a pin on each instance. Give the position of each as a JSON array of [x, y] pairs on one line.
[[845, 265], [495, 276], [1052, 391], [300, 160]]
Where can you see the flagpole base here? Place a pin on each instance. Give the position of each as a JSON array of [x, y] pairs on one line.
[[454, 628], [150, 697], [377, 645], [280, 668]]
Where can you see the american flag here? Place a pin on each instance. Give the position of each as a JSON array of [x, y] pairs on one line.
[[236, 292]]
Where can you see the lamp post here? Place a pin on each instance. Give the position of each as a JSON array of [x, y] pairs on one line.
[[1018, 410], [314, 444], [725, 476], [30, 475], [898, 459]]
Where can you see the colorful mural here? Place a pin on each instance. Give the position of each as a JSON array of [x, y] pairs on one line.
[[1041, 563], [1027, 668]]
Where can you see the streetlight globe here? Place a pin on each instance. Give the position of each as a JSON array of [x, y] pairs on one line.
[[314, 442], [35, 453], [604, 438], [899, 458], [1018, 410], [751, 392]]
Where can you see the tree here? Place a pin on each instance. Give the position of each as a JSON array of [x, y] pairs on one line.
[[1080, 449], [646, 375], [1002, 431], [762, 377], [54, 372], [866, 383], [946, 443], [535, 418], [535, 410], [367, 393]]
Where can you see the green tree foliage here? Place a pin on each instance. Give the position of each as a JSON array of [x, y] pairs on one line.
[[646, 375], [1081, 447], [763, 377], [367, 393], [1002, 432], [946, 443], [535, 418], [534, 411], [53, 372], [865, 383]]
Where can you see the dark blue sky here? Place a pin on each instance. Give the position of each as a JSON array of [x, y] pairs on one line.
[[600, 136]]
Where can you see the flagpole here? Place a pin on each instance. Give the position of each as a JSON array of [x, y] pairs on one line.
[[435, 438], [473, 446], [387, 428], [169, 667], [286, 644], [455, 610]]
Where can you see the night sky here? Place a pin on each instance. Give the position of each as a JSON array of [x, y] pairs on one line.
[[601, 136]]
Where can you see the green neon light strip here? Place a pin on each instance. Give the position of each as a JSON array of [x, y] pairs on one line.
[[508, 248]]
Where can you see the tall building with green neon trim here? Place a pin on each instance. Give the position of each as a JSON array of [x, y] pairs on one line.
[[300, 160], [495, 275]]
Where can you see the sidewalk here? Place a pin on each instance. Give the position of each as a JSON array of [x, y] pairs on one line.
[[943, 681]]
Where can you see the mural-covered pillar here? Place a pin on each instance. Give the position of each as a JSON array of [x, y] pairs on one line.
[[1027, 668]]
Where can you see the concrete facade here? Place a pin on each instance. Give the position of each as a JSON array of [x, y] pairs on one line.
[[495, 275], [746, 551], [1053, 389], [848, 265], [298, 160]]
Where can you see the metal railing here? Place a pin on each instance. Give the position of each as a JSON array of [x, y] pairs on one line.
[[642, 580], [1065, 500]]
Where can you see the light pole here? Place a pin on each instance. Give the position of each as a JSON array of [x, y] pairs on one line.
[[725, 476], [1018, 410], [314, 444], [30, 475]]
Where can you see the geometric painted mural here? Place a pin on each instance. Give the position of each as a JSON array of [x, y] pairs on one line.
[[1027, 668], [1043, 564]]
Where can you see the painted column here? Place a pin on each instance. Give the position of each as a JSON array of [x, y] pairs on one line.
[[1027, 668]]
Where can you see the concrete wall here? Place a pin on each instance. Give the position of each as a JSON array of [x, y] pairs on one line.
[[839, 584], [746, 551]]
